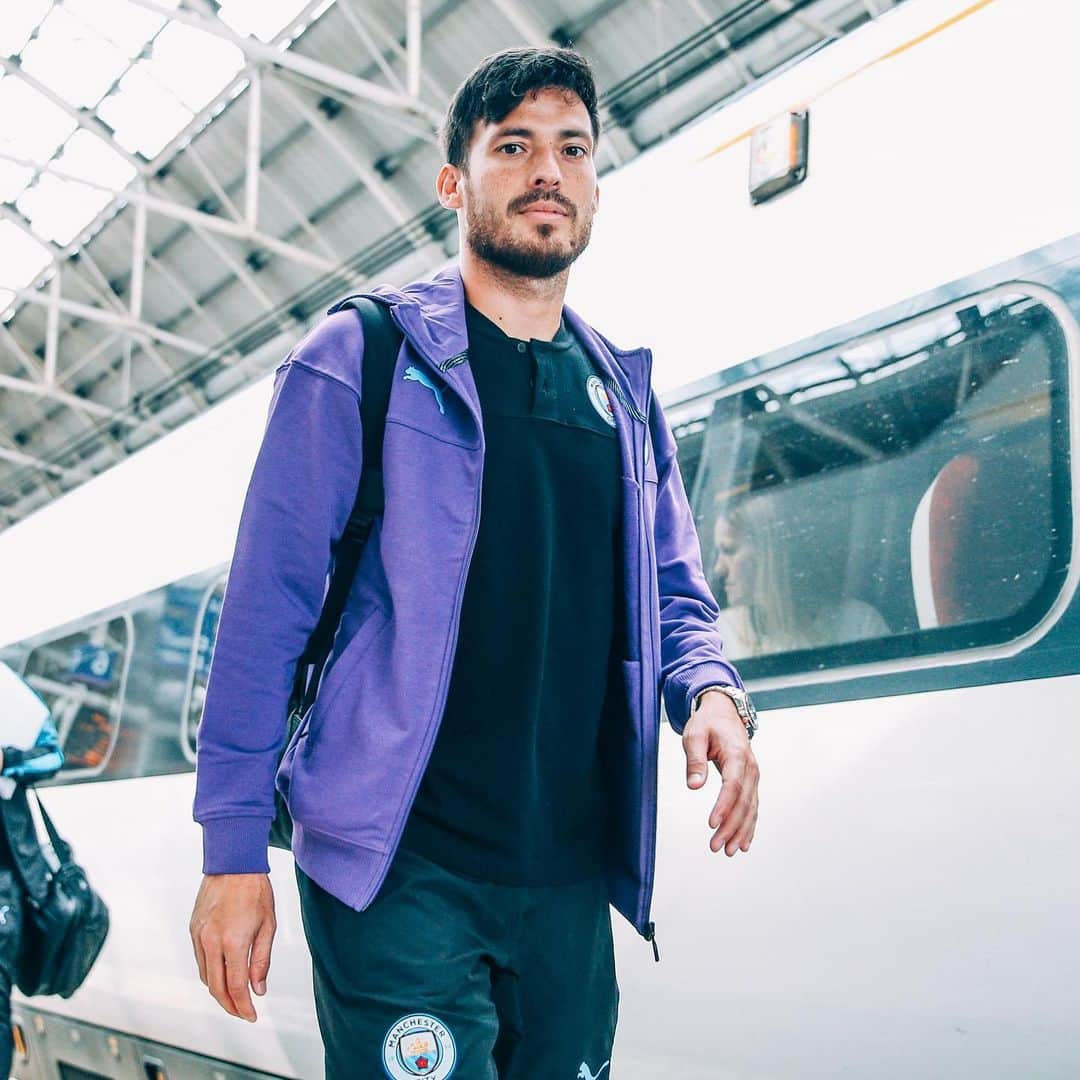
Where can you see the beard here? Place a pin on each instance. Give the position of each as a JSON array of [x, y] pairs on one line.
[[494, 240]]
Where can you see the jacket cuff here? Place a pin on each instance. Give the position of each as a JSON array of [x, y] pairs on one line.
[[236, 845], [681, 689]]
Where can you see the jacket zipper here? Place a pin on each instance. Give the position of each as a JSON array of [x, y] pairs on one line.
[[648, 763]]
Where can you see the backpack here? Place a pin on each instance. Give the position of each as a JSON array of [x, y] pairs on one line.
[[382, 340]]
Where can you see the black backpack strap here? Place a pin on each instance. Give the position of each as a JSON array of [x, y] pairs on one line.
[[24, 844], [382, 341], [60, 846]]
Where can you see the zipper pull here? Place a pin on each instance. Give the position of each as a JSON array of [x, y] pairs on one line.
[[650, 935]]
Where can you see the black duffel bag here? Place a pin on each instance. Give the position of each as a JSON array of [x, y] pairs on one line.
[[64, 927]]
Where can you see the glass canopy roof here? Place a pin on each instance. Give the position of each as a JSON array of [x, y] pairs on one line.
[[95, 89]]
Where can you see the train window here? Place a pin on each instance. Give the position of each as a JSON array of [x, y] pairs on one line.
[[81, 677], [171, 622], [903, 494], [202, 647], [126, 686]]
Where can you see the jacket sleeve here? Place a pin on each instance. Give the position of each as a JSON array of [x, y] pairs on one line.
[[691, 647], [298, 501], [42, 760]]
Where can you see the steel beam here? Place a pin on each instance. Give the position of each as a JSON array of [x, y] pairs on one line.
[[812, 22], [197, 398], [94, 314], [414, 34], [378, 187], [239, 271], [254, 140], [65, 397], [530, 31], [317, 236], [210, 222], [190, 298], [138, 260], [32, 364], [212, 182], [389, 41], [376, 54], [86, 119], [17, 457], [733, 55], [329, 76], [52, 328]]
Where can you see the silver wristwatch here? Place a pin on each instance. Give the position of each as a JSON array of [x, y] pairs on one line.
[[743, 706]]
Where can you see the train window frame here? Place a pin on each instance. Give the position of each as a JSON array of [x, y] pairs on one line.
[[116, 710], [938, 646], [188, 729]]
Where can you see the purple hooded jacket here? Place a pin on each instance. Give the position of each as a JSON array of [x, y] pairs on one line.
[[353, 767]]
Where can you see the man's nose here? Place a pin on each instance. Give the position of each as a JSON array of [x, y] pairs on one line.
[[547, 169]]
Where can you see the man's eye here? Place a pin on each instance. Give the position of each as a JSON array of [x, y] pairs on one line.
[[507, 146], [583, 153]]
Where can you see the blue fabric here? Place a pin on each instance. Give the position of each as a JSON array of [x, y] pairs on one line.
[[42, 760]]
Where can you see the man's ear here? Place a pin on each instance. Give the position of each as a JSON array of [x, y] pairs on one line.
[[447, 185]]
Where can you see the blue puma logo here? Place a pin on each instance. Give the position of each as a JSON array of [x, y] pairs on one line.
[[414, 374], [585, 1074]]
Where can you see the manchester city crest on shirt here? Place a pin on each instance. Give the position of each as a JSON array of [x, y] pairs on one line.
[[601, 402], [419, 1045]]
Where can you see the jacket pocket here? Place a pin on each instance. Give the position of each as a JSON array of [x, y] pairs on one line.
[[339, 673], [343, 782]]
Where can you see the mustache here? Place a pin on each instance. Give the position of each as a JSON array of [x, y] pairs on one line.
[[558, 200]]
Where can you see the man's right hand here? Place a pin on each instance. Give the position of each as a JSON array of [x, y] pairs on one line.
[[232, 930]]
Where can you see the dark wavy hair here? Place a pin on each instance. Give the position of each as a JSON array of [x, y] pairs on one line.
[[501, 81]]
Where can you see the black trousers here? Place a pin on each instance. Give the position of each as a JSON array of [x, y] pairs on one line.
[[442, 976]]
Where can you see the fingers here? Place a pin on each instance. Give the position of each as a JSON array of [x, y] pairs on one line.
[[236, 978], [260, 956], [734, 816], [730, 833], [232, 930], [746, 833], [730, 791], [200, 957], [696, 747], [215, 978], [225, 967]]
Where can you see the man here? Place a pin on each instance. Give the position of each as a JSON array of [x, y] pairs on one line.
[[477, 780]]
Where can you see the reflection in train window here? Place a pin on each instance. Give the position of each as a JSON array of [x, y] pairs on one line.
[[126, 686], [904, 493], [166, 620], [81, 677], [202, 647]]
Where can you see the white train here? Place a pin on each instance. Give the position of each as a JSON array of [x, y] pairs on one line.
[[873, 379]]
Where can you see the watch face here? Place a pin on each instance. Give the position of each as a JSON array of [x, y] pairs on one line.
[[745, 706]]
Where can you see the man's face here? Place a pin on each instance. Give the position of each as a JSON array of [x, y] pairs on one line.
[[539, 156]]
